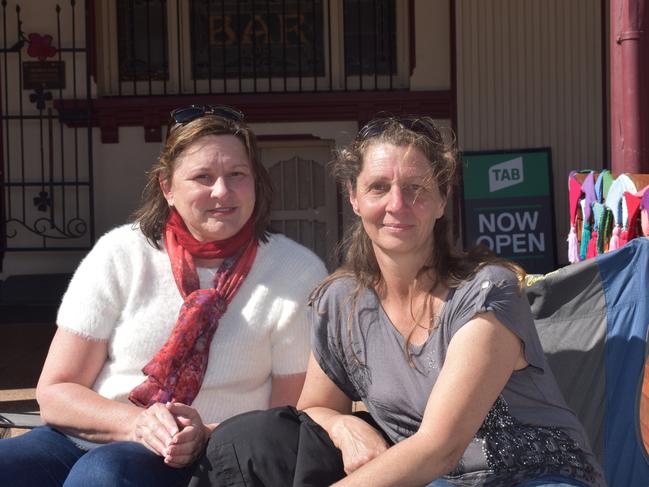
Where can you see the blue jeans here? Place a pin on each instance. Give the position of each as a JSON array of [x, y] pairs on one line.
[[554, 481], [45, 457], [546, 480]]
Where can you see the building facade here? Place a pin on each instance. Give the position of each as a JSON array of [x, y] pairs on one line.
[[86, 88]]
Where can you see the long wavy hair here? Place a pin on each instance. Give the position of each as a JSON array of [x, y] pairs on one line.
[[153, 213], [450, 266]]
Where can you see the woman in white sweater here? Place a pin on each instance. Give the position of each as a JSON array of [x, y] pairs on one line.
[[191, 315]]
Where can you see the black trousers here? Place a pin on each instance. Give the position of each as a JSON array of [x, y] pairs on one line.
[[281, 447]]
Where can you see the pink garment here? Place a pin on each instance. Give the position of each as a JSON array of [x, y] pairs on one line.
[[644, 211]]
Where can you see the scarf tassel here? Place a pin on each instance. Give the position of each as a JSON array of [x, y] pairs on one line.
[[585, 238], [614, 244], [592, 245], [573, 246]]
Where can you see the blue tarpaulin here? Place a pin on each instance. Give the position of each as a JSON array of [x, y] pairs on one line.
[[593, 318]]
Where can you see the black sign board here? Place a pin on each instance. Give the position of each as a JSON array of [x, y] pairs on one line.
[[508, 206], [43, 75]]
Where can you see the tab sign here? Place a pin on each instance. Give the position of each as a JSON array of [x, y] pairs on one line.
[[506, 174]]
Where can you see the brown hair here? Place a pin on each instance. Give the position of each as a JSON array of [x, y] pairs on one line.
[[154, 211], [450, 265]]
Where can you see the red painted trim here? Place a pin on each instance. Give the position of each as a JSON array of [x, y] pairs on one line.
[[643, 99], [629, 105], [606, 109], [614, 88], [152, 112], [412, 41]]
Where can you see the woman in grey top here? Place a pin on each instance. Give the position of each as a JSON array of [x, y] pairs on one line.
[[440, 345]]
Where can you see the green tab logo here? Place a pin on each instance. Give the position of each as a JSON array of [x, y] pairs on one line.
[[506, 174], [497, 175]]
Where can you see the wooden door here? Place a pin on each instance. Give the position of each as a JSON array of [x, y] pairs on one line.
[[305, 202]]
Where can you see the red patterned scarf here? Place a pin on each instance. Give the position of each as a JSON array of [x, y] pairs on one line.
[[177, 370]]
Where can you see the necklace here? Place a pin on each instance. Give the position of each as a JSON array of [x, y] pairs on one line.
[[427, 315]]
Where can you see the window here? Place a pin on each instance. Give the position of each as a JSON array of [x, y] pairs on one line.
[[141, 40], [370, 42], [217, 46]]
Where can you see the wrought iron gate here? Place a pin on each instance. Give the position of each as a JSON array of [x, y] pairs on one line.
[[46, 178]]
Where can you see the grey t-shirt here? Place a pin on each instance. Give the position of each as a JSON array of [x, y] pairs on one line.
[[529, 432]]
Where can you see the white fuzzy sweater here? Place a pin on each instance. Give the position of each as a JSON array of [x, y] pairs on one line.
[[124, 292]]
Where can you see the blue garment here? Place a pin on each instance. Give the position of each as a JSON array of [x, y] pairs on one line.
[[552, 480], [45, 457], [625, 282], [545, 481], [440, 483]]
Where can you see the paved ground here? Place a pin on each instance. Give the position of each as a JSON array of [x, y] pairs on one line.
[[17, 401]]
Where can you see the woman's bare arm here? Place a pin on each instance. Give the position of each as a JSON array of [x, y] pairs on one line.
[[68, 403]]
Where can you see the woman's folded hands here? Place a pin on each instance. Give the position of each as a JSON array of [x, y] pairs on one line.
[[174, 431]]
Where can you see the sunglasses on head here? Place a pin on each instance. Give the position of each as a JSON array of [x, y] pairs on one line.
[[181, 116], [416, 124]]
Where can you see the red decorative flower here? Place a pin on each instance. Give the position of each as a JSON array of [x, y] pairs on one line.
[[40, 46]]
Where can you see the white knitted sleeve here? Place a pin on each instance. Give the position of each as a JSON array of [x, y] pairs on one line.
[[94, 299], [299, 271]]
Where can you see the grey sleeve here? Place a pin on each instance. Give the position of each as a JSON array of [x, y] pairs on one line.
[[328, 338], [495, 288]]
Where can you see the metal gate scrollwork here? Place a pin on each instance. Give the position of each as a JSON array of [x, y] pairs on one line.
[[46, 180]]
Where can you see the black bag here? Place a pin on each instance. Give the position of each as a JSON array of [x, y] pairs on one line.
[[281, 447]]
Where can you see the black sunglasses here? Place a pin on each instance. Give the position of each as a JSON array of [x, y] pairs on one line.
[[418, 125], [181, 116]]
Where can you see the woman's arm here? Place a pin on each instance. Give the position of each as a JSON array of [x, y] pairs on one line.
[[328, 406], [286, 389], [69, 404], [480, 359]]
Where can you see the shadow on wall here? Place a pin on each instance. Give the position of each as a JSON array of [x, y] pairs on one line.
[[28, 306], [31, 298]]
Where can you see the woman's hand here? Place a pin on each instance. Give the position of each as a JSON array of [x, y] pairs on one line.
[[155, 427], [328, 406], [357, 440], [187, 444]]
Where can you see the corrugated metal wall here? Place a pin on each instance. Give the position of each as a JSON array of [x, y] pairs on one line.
[[529, 74]]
